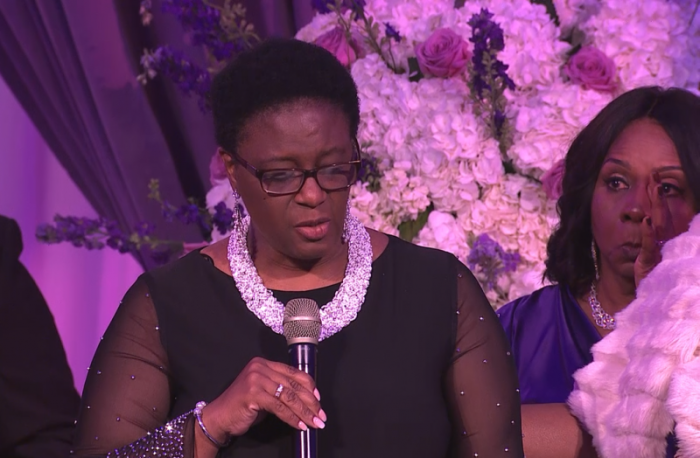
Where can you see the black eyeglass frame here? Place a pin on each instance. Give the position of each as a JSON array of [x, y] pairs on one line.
[[308, 173]]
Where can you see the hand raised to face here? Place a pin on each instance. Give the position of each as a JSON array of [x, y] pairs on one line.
[[660, 226]]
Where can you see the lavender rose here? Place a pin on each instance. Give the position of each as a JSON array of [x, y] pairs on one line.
[[591, 69], [552, 180], [337, 43], [444, 54]]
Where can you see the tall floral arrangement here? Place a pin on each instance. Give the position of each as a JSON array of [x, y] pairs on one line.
[[467, 107], [468, 110]]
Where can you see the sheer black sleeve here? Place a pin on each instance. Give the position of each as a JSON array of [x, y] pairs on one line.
[[482, 386], [127, 394]]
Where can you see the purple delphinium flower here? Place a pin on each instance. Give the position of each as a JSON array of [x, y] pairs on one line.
[[115, 237], [187, 76], [489, 260], [93, 234], [368, 169], [204, 22], [499, 118], [391, 32], [46, 233], [222, 218], [188, 213], [323, 6], [144, 229], [488, 40]]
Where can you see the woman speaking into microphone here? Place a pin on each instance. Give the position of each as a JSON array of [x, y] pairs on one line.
[[412, 361]]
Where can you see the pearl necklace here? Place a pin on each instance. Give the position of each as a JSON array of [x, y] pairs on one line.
[[602, 318], [335, 315]]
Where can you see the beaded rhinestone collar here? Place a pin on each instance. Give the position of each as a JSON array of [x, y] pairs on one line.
[[335, 315]]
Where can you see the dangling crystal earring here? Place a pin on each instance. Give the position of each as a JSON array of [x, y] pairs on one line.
[[237, 213], [595, 260], [346, 223]]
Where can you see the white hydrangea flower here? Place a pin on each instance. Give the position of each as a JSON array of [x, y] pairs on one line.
[[572, 13], [442, 232], [403, 195], [320, 24], [648, 41], [545, 125]]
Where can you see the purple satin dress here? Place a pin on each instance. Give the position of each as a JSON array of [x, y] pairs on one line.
[[551, 338]]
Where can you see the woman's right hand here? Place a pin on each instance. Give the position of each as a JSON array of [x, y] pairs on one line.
[[252, 395], [657, 229]]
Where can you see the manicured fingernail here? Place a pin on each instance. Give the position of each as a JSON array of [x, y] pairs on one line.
[[302, 426], [322, 415], [317, 394], [319, 424]]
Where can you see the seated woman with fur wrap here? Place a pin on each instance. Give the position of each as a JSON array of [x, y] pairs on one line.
[[644, 381], [631, 182]]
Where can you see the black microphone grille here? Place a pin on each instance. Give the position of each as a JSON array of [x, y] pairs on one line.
[[302, 321]]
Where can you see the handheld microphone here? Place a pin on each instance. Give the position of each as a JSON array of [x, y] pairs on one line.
[[302, 328]]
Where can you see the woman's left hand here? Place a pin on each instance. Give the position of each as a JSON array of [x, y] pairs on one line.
[[657, 229]]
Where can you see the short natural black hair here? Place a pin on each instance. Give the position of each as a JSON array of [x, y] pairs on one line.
[[274, 73], [569, 260]]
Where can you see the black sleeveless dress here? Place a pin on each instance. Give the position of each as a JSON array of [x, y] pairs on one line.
[[424, 371]]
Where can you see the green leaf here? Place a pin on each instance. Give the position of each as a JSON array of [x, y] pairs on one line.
[[414, 73], [577, 38], [408, 230]]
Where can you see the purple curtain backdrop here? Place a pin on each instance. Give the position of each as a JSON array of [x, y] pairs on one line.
[[73, 64], [68, 66], [79, 136]]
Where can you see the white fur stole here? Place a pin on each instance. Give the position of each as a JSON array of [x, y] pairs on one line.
[[645, 375]]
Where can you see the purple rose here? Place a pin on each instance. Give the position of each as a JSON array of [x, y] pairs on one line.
[[217, 169], [591, 69], [444, 54], [552, 180], [336, 42]]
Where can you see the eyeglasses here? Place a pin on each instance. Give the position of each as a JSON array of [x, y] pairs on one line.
[[281, 182]]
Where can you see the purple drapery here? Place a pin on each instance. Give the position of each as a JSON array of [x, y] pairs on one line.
[[72, 64], [67, 64]]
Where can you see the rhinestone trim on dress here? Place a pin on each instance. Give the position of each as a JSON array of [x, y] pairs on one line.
[[165, 442], [335, 315]]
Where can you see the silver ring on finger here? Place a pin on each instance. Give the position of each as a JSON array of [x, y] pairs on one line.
[[278, 391]]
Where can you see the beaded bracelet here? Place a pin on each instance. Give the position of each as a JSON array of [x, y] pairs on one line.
[[198, 415]]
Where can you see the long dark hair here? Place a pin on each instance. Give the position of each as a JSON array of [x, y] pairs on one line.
[[569, 260]]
